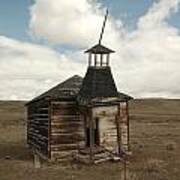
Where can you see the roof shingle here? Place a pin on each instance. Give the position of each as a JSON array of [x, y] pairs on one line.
[[98, 83], [67, 89]]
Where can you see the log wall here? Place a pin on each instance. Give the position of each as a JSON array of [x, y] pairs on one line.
[[67, 130], [37, 127]]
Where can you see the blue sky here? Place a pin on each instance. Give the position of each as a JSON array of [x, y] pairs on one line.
[[14, 15]]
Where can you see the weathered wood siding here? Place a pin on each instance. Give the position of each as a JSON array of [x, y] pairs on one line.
[[37, 127], [67, 130], [57, 130], [107, 126]]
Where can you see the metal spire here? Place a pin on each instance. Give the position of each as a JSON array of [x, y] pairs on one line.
[[103, 27]]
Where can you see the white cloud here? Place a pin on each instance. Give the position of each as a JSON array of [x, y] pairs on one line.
[[158, 14], [146, 62], [28, 69], [75, 22], [152, 51]]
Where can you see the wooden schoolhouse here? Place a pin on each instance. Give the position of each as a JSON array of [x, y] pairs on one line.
[[86, 119]]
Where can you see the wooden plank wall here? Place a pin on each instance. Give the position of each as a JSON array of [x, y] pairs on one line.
[[37, 127], [67, 130]]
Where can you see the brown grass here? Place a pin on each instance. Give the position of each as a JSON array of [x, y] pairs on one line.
[[155, 143]]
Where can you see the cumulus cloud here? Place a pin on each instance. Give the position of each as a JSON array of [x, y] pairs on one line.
[[146, 62], [153, 52], [75, 22], [158, 13], [28, 69]]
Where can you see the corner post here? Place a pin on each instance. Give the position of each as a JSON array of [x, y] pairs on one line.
[[95, 59], [107, 60], [89, 59], [118, 119], [127, 113], [37, 161], [101, 60], [91, 135]]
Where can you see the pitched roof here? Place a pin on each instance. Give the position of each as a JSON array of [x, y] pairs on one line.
[[70, 88], [99, 49], [98, 82], [67, 89]]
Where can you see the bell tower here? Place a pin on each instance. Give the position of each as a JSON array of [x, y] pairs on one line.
[[98, 82]]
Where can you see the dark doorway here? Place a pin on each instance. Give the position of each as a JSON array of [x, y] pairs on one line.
[[87, 137], [96, 133], [96, 138]]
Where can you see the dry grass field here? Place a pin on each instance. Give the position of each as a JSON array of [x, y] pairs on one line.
[[155, 143]]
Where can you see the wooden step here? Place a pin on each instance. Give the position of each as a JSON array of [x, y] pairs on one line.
[[102, 160]]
